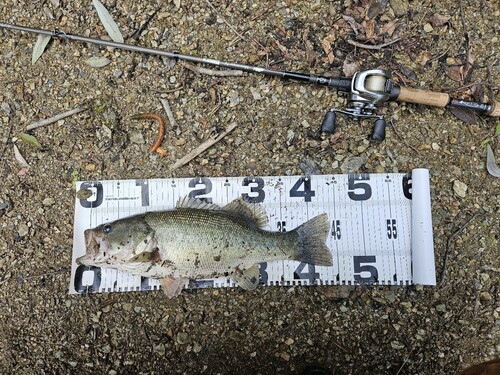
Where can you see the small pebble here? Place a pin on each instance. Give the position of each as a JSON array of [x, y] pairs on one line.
[[180, 142], [428, 28], [352, 164], [182, 338], [460, 188], [48, 202], [22, 230], [397, 345], [197, 347]]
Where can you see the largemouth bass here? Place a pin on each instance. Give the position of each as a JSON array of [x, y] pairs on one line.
[[201, 240]]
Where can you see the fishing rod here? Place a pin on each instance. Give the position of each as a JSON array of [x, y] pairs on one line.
[[366, 90]]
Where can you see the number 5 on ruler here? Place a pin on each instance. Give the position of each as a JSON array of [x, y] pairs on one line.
[[361, 269]]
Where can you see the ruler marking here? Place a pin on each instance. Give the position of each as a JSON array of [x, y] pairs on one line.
[[283, 211]]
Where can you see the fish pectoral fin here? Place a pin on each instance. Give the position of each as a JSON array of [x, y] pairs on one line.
[[247, 279], [172, 287]]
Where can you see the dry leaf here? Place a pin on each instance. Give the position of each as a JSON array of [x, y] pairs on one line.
[[439, 20], [491, 164], [98, 62], [464, 114], [108, 22], [369, 27], [310, 54], [349, 68], [407, 72], [22, 161], [356, 27], [423, 58], [389, 28], [327, 43], [477, 91], [375, 8], [41, 44], [456, 73]]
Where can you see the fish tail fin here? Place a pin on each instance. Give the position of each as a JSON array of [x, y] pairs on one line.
[[311, 242]]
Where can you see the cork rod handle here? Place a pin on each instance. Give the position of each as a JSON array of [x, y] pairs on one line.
[[416, 96], [495, 110]]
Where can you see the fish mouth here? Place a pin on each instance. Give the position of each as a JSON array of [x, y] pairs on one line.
[[92, 246], [83, 260], [91, 243]]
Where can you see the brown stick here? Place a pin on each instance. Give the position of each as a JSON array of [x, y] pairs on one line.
[[202, 148], [211, 72], [170, 115], [56, 118], [369, 46]]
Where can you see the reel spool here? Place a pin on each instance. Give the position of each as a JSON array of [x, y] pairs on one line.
[[369, 88]]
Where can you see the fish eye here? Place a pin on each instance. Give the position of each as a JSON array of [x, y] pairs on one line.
[[106, 229]]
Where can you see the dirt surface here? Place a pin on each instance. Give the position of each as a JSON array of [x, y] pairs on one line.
[[357, 330]]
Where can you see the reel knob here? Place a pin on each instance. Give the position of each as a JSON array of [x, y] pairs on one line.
[[378, 133], [328, 124]]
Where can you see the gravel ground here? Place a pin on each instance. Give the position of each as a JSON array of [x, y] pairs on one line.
[[348, 330]]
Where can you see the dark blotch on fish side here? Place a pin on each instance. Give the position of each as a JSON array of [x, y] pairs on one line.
[[155, 255], [217, 258]]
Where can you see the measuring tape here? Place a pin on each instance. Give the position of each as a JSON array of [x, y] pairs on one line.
[[380, 225]]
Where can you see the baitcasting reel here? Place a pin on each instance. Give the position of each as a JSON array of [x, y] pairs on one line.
[[368, 89]]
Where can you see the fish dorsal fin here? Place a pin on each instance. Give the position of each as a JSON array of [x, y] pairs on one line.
[[253, 214], [195, 203]]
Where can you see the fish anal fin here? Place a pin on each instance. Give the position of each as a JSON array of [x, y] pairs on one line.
[[253, 214], [173, 287], [247, 279]]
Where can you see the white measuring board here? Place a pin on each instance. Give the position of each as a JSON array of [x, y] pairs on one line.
[[376, 229]]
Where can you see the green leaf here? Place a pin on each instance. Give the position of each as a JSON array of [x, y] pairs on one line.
[[30, 139], [41, 44], [108, 22], [497, 130]]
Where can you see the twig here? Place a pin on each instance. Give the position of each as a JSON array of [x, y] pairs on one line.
[[231, 27], [211, 72], [223, 19], [448, 244], [376, 47], [405, 361], [467, 41], [170, 116], [161, 128], [137, 33], [427, 63], [404, 141], [203, 147], [489, 85], [56, 118]]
